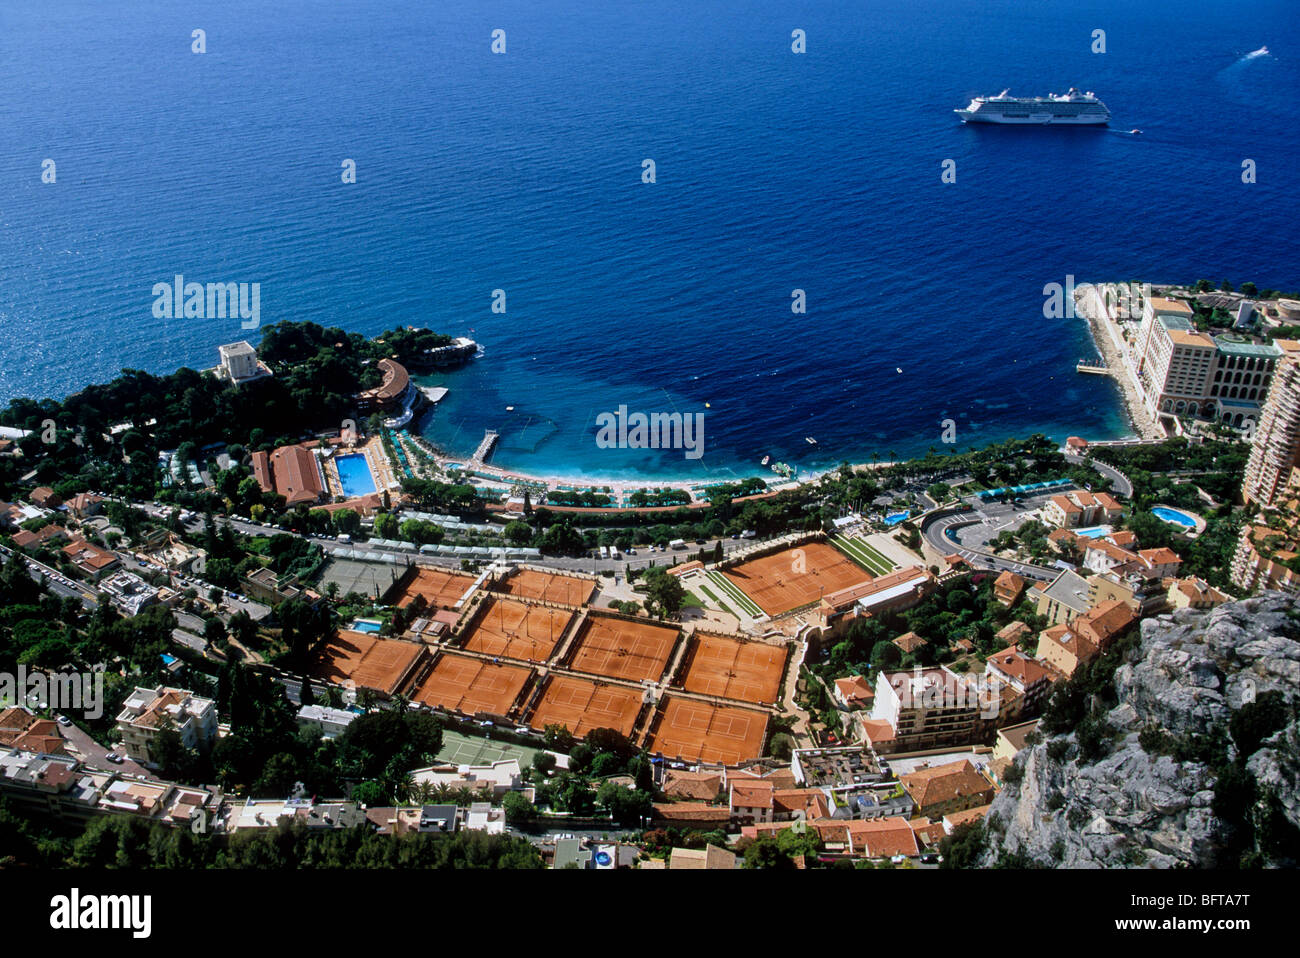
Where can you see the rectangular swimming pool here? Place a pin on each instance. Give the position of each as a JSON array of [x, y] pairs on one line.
[[354, 475], [1094, 532]]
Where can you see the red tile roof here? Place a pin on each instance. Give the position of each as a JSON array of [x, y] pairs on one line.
[[297, 475], [883, 838], [702, 786], [943, 783], [751, 794]]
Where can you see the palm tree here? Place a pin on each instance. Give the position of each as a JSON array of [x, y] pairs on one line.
[[422, 793], [404, 788]]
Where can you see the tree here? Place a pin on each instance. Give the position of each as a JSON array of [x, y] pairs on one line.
[[544, 762], [558, 737], [214, 630], [664, 593], [782, 746], [625, 805], [347, 521], [518, 533], [885, 655], [519, 810], [964, 847], [580, 758], [370, 793]]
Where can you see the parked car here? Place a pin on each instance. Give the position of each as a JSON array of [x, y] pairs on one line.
[[114, 758], [64, 721]]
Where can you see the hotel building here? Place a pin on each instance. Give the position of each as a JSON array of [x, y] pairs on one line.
[[1183, 372]]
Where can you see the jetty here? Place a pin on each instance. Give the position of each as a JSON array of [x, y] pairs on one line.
[[1092, 367], [485, 447]]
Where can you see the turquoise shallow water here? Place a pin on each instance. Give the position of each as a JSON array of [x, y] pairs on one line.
[[522, 172]]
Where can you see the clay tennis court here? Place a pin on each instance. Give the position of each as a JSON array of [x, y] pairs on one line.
[[786, 580], [734, 669], [531, 584], [367, 662], [517, 630], [623, 649], [581, 705], [701, 732], [464, 684], [441, 589]]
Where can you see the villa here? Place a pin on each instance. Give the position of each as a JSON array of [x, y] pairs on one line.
[[1076, 509], [239, 364], [146, 712]]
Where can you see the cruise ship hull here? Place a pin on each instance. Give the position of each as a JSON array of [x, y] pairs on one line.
[[1033, 119]]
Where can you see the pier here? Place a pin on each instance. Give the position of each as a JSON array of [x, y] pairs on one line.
[[485, 447], [1093, 367]]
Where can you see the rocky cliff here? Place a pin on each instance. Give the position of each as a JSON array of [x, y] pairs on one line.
[[1188, 757]]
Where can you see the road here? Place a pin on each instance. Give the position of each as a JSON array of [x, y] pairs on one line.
[[56, 581], [81, 746], [640, 560], [992, 517], [936, 533], [1120, 485]]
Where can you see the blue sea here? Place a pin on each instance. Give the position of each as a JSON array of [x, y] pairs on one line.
[[522, 172]]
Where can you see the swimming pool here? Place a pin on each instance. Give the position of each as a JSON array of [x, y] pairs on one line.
[[1174, 516], [1094, 532], [354, 475], [368, 626], [896, 518]]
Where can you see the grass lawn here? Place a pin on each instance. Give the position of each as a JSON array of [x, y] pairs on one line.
[[730, 590], [718, 602], [870, 558]]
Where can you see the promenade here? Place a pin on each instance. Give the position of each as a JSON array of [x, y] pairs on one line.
[[1107, 337]]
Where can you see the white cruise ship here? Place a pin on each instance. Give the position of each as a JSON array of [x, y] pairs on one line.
[[1067, 109]]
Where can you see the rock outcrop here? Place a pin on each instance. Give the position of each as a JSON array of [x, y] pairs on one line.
[[1155, 806]]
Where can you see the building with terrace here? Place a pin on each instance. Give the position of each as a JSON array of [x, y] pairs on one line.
[[1183, 372], [239, 363], [1275, 448], [146, 712]]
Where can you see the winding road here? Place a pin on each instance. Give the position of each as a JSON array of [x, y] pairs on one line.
[[936, 531]]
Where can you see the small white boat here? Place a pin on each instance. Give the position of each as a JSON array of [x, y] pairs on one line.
[[766, 460], [898, 369], [810, 440], [1135, 131]]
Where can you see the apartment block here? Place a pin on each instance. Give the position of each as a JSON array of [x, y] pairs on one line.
[[1275, 448], [146, 712]]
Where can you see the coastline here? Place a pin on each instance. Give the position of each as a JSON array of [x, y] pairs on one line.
[[1118, 371]]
